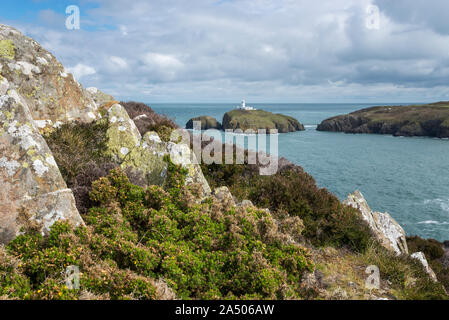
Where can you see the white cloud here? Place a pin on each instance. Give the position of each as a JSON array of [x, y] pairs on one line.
[[119, 62], [81, 70], [265, 50], [123, 30], [162, 61]]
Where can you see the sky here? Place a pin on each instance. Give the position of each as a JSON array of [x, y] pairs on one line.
[[299, 51]]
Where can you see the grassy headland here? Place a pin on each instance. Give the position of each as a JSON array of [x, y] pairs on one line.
[[416, 120]]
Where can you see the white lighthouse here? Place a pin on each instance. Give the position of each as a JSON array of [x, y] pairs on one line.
[[243, 106]]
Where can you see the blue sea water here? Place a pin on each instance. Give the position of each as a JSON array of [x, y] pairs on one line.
[[407, 177]]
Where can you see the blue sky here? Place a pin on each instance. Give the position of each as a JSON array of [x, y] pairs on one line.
[[260, 50]]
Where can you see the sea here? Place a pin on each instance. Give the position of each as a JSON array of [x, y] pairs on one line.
[[407, 177]]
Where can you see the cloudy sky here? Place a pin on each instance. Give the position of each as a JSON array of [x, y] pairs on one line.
[[261, 50]]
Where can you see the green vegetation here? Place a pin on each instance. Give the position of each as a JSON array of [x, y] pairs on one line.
[[406, 275], [162, 243], [326, 219], [435, 256], [147, 120], [260, 119], [140, 243], [417, 120], [75, 145]]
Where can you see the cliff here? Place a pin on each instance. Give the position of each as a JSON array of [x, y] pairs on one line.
[[422, 120]]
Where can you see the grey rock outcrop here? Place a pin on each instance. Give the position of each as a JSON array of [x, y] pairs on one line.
[[386, 229], [52, 94], [99, 97], [223, 195], [33, 191], [422, 258], [146, 155]]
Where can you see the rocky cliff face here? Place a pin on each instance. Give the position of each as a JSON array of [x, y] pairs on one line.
[[385, 228], [38, 95], [33, 192], [389, 233], [52, 94]]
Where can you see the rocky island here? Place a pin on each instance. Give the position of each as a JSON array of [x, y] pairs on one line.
[[250, 120], [207, 122], [430, 120]]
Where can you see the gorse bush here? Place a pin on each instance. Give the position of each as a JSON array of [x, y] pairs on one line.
[[326, 219], [140, 243]]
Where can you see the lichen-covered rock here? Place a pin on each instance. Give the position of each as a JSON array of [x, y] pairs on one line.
[[52, 95], [422, 258], [146, 155], [99, 97], [387, 230], [181, 154], [32, 191], [122, 133], [148, 158], [224, 195]]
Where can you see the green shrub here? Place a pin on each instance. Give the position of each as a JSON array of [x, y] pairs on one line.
[[434, 252], [74, 145], [431, 247], [326, 220], [149, 120], [406, 275], [134, 236]]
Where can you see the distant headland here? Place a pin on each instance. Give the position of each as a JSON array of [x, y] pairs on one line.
[[430, 120]]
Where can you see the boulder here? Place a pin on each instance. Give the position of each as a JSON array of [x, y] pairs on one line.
[[123, 135], [422, 258], [99, 97], [52, 94], [223, 195], [146, 156], [386, 229], [33, 192]]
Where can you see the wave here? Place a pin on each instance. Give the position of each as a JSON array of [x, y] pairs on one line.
[[432, 222], [443, 203]]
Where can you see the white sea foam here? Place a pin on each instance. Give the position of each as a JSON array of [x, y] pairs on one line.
[[432, 222], [443, 203]]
